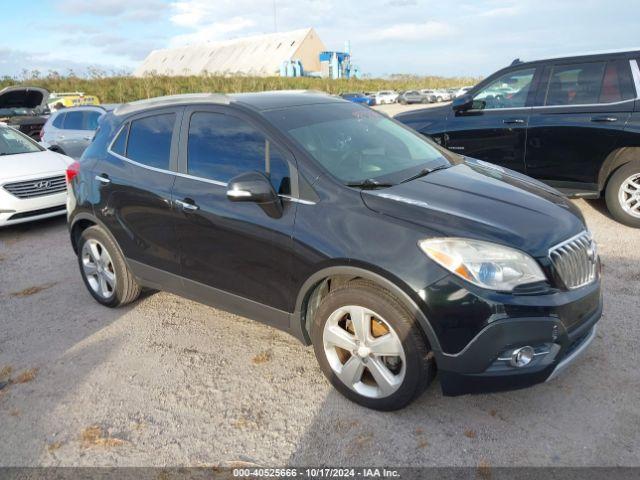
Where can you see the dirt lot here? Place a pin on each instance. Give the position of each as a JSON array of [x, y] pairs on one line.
[[169, 382]]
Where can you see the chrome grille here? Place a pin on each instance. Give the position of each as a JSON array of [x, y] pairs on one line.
[[575, 260], [38, 187]]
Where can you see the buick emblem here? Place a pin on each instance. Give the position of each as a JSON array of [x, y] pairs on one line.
[[43, 184]]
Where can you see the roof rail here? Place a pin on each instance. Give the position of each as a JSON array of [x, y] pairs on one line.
[[167, 100]]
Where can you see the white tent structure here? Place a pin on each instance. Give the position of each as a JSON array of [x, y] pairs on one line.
[[260, 55]]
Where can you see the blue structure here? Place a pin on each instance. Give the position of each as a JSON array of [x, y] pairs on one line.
[[333, 64], [291, 68]]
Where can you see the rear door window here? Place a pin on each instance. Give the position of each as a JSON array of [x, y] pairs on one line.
[[149, 140], [73, 121], [222, 146], [589, 83]]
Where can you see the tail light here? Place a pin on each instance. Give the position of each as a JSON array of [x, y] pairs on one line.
[[41, 134], [72, 171]]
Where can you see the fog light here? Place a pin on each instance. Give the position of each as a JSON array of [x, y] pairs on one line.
[[522, 357]]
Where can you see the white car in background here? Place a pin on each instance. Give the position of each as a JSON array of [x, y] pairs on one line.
[[462, 91], [443, 95], [32, 179], [386, 96]]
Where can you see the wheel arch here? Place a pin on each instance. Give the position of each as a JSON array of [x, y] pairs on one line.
[[319, 283], [81, 222], [616, 159]]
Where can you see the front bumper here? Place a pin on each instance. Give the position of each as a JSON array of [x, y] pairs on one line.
[[15, 210], [558, 338]]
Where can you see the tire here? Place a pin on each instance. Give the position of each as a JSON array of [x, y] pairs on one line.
[[411, 371], [98, 253], [625, 178]]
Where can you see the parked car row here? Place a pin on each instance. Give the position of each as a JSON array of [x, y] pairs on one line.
[[384, 97], [303, 182]]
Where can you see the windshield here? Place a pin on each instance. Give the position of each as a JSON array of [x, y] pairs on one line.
[[355, 143], [13, 143], [16, 112]]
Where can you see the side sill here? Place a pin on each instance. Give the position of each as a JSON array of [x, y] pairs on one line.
[[156, 278]]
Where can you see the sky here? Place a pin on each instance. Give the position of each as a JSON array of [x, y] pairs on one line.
[[423, 37]]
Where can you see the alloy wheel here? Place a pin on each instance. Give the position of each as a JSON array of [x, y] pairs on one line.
[[98, 269], [629, 195], [364, 351]]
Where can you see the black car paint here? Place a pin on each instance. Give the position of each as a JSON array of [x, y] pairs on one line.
[[236, 257], [572, 148]]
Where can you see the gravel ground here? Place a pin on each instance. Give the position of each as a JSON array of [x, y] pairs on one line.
[[169, 382]]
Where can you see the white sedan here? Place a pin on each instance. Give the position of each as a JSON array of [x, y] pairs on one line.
[[32, 179], [386, 96]]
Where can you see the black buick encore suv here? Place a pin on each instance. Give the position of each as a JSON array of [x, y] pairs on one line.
[[394, 257], [572, 122]]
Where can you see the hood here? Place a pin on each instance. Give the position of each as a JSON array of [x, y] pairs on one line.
[[422, 118], [23, 97], [483, 202], [32, 165]]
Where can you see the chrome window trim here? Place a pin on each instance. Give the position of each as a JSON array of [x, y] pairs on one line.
[[539, 107], [186, 175], [635, 73], [202, 179], [133, 162]]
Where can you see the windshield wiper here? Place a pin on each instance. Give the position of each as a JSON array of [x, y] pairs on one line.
[[369, 184], [425, 171]]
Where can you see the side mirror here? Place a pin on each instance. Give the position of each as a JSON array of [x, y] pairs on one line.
[[255, 187], [462, 103]]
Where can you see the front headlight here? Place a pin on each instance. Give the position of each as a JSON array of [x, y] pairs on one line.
[[485, 264]]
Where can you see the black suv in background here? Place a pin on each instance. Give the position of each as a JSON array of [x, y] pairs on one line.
[[341, 226], [573, 123], [25, 109]]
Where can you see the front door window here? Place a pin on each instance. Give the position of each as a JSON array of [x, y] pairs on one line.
[[508, 91]]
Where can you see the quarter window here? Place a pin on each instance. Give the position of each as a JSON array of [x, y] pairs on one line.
[[149, 140], [91, 120], [59, 120], [222, 146], [508, 91], [119, 146]]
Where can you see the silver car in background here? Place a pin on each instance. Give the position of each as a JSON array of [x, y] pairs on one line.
[[69, 131]]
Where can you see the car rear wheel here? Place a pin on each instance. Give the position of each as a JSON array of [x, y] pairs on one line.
[[369, 347], [104, 270], [623, 194]]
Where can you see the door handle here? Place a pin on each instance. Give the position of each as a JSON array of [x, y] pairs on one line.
[[103, 178], [88, 137], [510, 121], [189, 206], [604, 119]]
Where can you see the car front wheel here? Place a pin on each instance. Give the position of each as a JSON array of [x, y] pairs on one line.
[[623, 194], [370, 348]]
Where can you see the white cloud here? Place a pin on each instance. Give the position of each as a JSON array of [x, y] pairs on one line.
[[412, 31], [213, 31], [500, 12], [132, 10]]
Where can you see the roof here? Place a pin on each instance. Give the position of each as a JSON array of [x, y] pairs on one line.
[[259, 55], [597, 53], [260, 101]]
